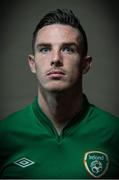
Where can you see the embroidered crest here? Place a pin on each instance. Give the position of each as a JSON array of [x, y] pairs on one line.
[[96, 163]]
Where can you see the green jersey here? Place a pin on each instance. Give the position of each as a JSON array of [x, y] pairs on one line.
[[88, 146]]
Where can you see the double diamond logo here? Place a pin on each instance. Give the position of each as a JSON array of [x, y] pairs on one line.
[[96, 163], [24, 162]]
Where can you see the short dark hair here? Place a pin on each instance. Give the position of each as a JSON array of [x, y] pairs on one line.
[[62, 16]]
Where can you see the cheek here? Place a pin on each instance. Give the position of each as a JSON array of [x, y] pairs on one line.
[[40, 65], [74, 66], [75, 72]]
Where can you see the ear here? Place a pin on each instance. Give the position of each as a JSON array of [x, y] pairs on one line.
[[31, 62], [86, 64]]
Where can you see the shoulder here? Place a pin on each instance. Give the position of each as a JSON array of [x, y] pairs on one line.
[[104, 124], [16, 118], [103, 117]]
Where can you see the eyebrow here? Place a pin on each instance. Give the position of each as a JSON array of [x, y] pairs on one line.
[[43, 44], [70, 44]]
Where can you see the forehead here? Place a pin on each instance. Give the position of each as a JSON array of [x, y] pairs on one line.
[[58, 33]]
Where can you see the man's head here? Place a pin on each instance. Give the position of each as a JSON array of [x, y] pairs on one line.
[[60, 52], [65, 17]]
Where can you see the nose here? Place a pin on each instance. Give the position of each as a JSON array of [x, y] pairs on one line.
[[56, 58]]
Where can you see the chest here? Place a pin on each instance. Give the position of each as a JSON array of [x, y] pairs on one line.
[[72, 156]]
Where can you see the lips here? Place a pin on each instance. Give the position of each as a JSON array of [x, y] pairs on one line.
[[55, 73]]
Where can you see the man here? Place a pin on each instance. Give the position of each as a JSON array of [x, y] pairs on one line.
[[60, 135]]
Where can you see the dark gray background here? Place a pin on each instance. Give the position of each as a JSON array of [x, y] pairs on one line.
[[100, 19]]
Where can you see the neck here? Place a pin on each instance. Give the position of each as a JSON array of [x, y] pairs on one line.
[[60, 107]]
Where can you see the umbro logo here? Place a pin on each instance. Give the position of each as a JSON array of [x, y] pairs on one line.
[[24, 162]]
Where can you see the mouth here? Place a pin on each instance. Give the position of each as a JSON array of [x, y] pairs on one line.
[[56, 74]]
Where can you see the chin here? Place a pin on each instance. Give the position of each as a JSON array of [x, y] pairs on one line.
[[57, 88]]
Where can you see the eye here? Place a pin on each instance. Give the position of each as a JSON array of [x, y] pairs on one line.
[[68, 50], [44, 50]]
